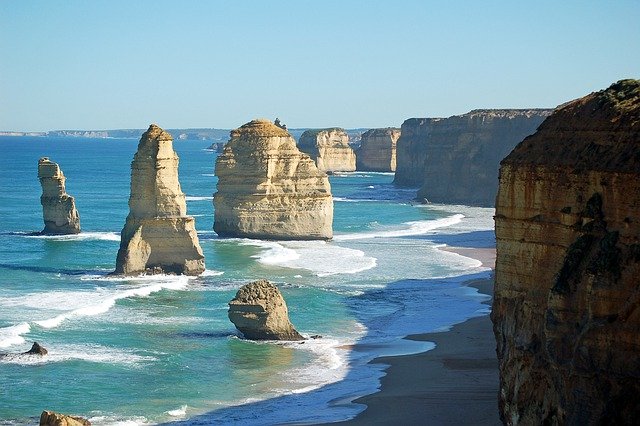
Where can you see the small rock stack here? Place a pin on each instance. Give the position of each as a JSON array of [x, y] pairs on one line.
[[58, 208]]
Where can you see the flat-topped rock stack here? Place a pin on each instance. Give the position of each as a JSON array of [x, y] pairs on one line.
[[377, 152], [58, 208], [268, 189], [329, 148], [158, 236]]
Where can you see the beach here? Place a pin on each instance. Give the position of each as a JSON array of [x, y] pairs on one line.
[[454, 384]]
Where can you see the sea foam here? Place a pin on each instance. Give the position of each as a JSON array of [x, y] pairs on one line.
[[12, 335], [82, 236], [88, 353], [419, 227]]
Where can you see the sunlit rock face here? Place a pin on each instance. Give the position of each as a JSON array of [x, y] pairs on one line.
[[566, 310], [377, 152], [158, 236], [455, 160], [58, 208], [329, 148], [268, 189]]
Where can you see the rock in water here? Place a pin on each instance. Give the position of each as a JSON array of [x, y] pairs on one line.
[[260, 313], [268, 189], [50, 418], [58, 207], [566, 310], [36, 349], [377, 152], [455, 160], [158, 236], [329, 148]]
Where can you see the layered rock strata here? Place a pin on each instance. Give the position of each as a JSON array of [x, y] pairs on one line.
[[50, 418], [268, 189], [158, 236], [566, 310], [455, 160], [329, 148], [377, 152], [259, 312], [58, 208]]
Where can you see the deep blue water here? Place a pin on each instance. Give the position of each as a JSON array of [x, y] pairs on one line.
[[157, 349]]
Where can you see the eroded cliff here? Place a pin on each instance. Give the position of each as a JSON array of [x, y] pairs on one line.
[[377, 152], [567, 296], [158, 236], [268, 189], [329, 148], [455, 160], [58, 208]]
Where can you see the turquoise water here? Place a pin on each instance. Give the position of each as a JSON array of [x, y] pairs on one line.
[[161, 349]]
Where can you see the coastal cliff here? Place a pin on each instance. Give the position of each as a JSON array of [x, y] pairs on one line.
[[268, 189], [566, 310], [455, 160], [377, 152], [58, 208], [158, 236], [329, 148]]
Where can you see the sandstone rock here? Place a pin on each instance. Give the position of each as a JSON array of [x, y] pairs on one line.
[[158, 236], [566, 310], [50, 418], [36, 349], [58, 207], [455, 160], [377, 152], [268, 189], [260, 313], [329, 148]]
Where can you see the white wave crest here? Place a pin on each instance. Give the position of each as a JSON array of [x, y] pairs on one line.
[[12, 335], [353, 200], [87, 353], [196, 198], [178, 412], [410, 228], [99, 236], [211, 273]]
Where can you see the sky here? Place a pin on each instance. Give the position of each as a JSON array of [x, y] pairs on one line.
[[348, 63]]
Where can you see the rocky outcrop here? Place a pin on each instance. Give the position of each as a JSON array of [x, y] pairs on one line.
[[36, 349], [566, 310], [455, 160], [268, 189], [50, 418], [158, 236], [58, 208], [377, 152], [259, 312], [329, 148]]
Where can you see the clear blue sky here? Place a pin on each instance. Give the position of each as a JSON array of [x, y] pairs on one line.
[[350, 63]]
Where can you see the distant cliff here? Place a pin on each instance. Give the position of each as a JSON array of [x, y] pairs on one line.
[[566, 310], [329, 148], [377, 152], [456, 159]]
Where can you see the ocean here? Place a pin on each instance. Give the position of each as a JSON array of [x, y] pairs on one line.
[[160, 349]]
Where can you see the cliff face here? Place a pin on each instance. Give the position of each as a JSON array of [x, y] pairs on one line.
[[377, 152], [268, 189], [455, 160], [329, 148], [58, 208], [566, 309], [158, 236]]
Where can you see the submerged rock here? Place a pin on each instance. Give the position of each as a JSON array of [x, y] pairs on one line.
[[50, 418], [566, 307], [268, 189], [259, 312], [329, 148], [58, 208], [36, 349], [377, 152], [158, 236]]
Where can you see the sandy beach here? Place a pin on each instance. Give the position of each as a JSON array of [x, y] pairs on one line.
[[454, 384]]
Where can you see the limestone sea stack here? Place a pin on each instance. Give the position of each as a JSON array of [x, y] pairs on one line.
[[455, 160], [377, 152], [158, 236], [329, 148], [58, 208], [268, 189], [566, 310], [259, 312]]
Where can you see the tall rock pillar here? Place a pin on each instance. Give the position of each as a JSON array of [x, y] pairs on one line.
[[58, 208]]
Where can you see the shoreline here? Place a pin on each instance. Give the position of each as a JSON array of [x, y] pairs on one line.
[[455, 383]]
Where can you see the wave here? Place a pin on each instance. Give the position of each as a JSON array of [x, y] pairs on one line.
[[353, 200], [178, 412], [363, 174], [88, 353], [411, 228], [196, 198], [82, 236], [12, 335], [211, 273]]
